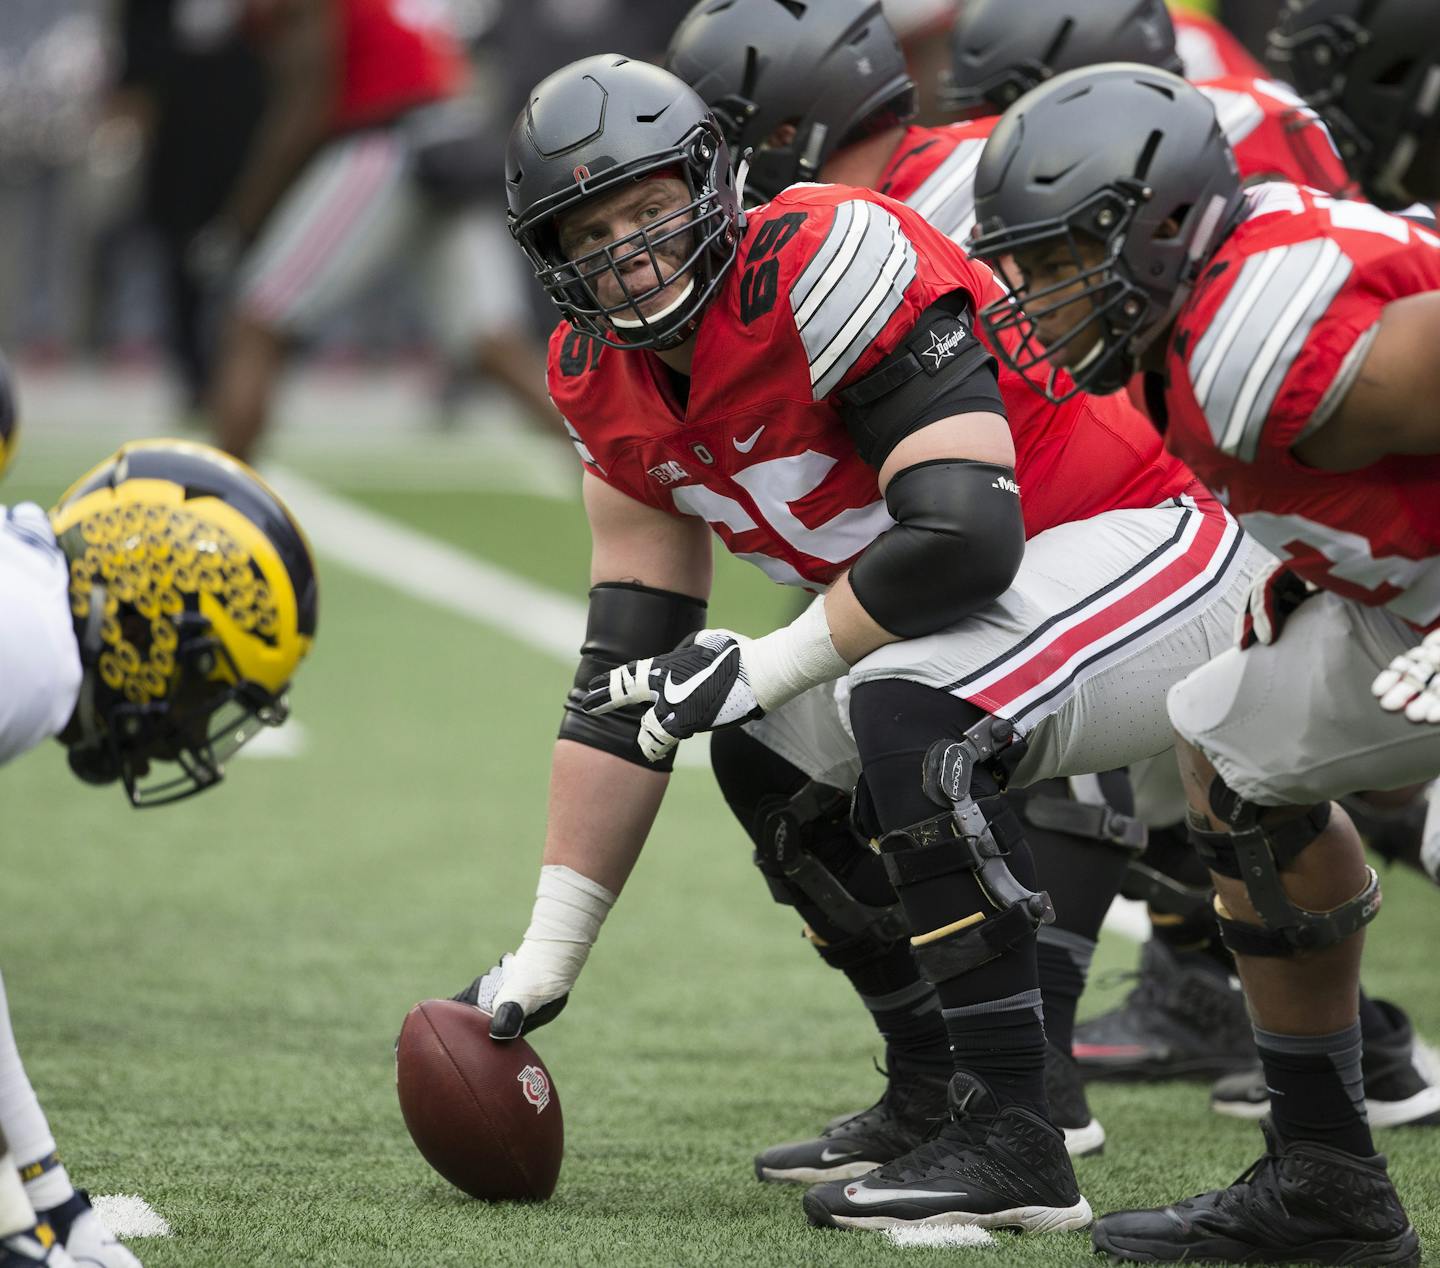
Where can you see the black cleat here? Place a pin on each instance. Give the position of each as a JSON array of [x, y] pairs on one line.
[[992, 1168], [1180, 1021], [856, 1143], [1299, 1203], [1402, 1080], [1069, 1108]]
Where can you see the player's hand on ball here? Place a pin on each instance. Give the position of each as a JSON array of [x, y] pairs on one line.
[[700, 686], [518, 995], [1274, 594], [1412, 682]]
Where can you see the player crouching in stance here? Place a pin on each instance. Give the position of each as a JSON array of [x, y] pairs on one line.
[[806, 384], [152, 623], [1287, 337]]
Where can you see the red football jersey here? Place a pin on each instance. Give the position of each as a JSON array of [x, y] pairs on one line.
[[1208, 50], [1276, 136], [933, 170], [827, 281], [1267, 346], [394, 55]]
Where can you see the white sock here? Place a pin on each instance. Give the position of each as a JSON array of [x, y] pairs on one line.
[[23, 1121], [16, 1214]]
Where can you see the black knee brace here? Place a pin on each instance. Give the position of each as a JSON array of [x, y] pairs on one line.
[[1257, 852], [1165, 877], [975, 834], [1081, 811]]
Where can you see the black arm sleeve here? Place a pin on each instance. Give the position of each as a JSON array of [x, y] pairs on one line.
[[941, 369], [626, 621], [956, 544]]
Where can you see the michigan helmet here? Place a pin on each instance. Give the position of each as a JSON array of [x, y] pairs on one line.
[[1372, 70], [9, 416], [1000, 50], [1125, 169], [193, 593], [833, 69], [590, 129]]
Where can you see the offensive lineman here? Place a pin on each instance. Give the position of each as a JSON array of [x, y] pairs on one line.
[[152, 623], [780, 80], [805, 381], [1292, 333]]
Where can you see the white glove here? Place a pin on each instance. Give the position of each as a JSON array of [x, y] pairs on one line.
[[530, 987], [1412, 682]]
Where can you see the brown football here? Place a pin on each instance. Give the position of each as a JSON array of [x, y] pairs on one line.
[[484, 1114]]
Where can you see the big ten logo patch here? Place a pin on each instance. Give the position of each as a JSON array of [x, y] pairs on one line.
[[578, 353], [535, 1085], [760, 283]]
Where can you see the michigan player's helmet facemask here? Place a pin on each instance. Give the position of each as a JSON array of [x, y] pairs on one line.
[[832, 69], [1000, 50], [1100, 196], [193, 594], [1371, 69], [591, 129], [9, 417]]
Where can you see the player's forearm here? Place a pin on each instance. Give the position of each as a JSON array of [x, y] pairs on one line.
[[601, 810]]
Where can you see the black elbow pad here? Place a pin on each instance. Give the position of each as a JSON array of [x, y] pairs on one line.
[[956, 544], [940, 370], [626, 621]]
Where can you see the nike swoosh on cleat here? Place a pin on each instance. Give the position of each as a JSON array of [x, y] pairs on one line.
[[746, 445], [864, 1196], [683, 691], [834, 1155]]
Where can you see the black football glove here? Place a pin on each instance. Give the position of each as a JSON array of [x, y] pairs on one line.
[[700, 686], [509, 1018]]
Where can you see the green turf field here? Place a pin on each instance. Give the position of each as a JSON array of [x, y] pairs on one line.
[[207, 996]]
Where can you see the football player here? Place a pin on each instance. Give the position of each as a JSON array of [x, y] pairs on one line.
[[785, 84], [804, 383], [151, 622], [1288, 337], [1372, 70]]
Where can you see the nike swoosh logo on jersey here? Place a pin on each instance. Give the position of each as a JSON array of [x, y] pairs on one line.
[[834, 1155], [683, 691], [863, 1195], [746, 445]]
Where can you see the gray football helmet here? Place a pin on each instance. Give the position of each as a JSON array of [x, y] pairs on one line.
[[833, 68], [1124, 158], [1371, 68], [592, 127], [1001, 49]]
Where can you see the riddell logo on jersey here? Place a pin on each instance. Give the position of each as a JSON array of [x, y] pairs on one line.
[[535, 1085], [1007, 485], [668, 473]]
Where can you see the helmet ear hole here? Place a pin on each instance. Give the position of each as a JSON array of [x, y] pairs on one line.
[[1173, 224]]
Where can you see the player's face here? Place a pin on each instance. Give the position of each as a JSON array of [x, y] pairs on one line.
[[1052, 277], [652, 215]]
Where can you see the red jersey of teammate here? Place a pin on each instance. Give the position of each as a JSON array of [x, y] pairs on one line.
[[1266, 347], [1209, 51], [827, 281], [395, 55], [1276, 136]]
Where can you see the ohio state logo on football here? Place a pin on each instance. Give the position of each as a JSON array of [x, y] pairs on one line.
[[535, 1085]]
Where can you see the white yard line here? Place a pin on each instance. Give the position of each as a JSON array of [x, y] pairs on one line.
[[942, 1236], [129, 1215]]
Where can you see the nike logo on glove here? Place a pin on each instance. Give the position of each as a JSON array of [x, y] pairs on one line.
[[678, 693]]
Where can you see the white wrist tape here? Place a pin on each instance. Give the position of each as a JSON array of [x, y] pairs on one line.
[[564, 923], [793, 659]]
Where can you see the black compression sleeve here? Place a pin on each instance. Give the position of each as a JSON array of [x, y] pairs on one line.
[[626, 621], [956, 544], [941, 369]]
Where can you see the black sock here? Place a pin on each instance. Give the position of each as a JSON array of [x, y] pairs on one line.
[[1003, 1041], [1316, 1089], [1064, 960], [904, 1008]]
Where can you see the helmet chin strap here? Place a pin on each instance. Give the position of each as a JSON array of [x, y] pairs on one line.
[[630, 323], [89, 657]]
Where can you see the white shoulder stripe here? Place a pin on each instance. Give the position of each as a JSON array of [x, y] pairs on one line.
[[1239, 113], [955, 176], [846, 251], [810, 276], [868, 317]]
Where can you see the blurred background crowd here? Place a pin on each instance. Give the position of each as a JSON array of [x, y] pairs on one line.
[[125, 126]]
